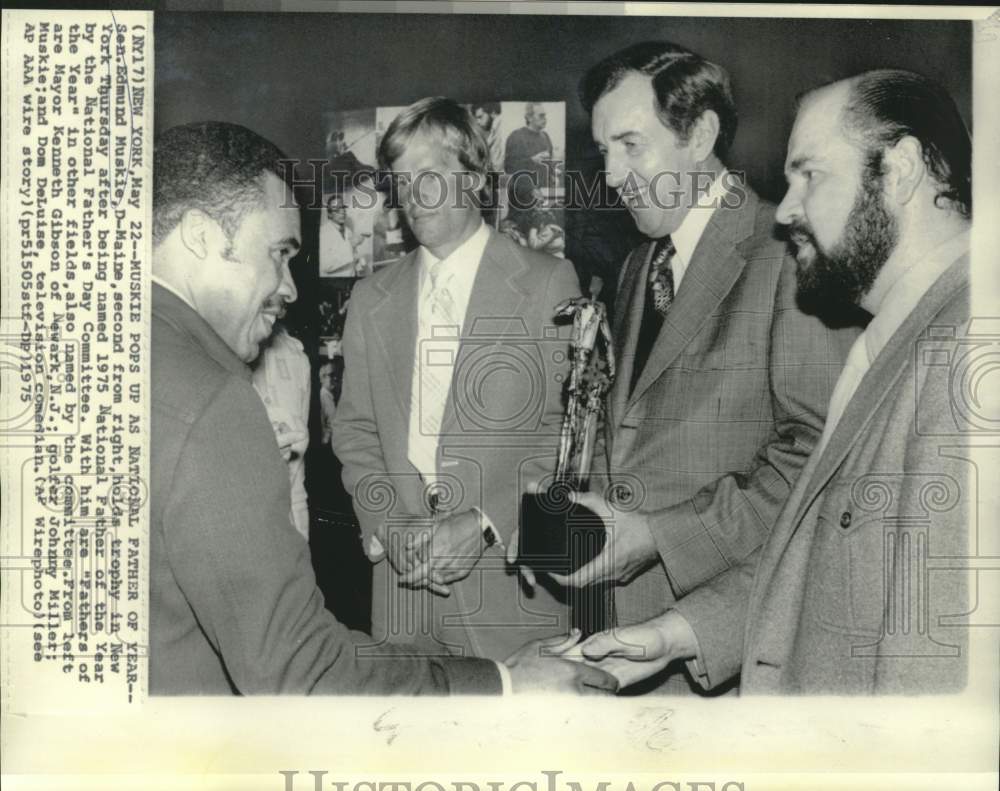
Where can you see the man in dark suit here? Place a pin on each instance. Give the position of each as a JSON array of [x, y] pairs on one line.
[[861, 585], [234, 606], [723, 381], [451, 405]]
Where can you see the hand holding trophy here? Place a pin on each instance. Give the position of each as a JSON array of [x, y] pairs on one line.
[[557, 535]]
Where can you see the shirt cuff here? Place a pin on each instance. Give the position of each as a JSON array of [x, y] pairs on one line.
[[485, 523], [505, 680]]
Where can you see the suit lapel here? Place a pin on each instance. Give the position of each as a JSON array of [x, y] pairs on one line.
[[625, 327], [394, 320], [715, 266], [497, 293]]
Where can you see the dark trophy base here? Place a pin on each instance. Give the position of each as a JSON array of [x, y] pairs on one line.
[[557, 535]]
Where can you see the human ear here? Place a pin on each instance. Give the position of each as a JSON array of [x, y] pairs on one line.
[[704, 133], [905, 169], [198, 232]]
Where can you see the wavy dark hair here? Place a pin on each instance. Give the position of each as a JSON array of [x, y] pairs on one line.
[[685, 84], [887, 105]]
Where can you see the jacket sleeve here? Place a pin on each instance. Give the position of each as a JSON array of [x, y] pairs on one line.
[[717, 612], [354, 432], [726, 520], [248, 579]]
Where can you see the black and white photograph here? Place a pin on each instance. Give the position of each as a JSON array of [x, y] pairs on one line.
[[507, 360]]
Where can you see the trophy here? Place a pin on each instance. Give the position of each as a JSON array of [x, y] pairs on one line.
[[555, 533]]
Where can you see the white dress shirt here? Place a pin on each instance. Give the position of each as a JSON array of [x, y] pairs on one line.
[[445, 291], [687, 236]]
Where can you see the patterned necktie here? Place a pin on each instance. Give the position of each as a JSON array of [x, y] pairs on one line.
[[437, 349], [659, 295], [661, 275]]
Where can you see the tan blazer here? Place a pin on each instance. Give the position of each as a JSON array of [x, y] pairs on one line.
[[728, 407], [500, 430], [861, 586]]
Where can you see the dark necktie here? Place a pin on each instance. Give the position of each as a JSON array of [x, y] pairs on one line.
[[659, 295]]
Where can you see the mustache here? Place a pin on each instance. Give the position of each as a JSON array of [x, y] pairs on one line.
[[798, 232]]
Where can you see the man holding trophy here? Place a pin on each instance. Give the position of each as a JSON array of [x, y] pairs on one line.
[[723, 382]]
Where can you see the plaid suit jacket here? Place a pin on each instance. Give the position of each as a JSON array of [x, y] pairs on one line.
[[726, 411]]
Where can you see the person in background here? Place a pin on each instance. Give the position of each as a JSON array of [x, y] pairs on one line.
[[488, 117], [281, 376], [327, 402]]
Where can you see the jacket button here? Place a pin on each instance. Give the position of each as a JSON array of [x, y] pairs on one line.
[[845, 519]]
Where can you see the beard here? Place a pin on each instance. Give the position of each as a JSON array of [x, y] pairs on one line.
[[843, 274]]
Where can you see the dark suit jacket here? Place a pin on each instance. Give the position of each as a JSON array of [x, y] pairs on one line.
[[234, 605], [861, 585], [728, 407], [500, 430]]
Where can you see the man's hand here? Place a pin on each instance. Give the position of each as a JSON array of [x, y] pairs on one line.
[[628, 551], [449, 554], [512, 549], [291, 443], [634, 653], [405, 547], [538, 667]]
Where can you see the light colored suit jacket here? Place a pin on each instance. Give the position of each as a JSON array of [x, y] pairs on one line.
[[234, 606], [860, 587], [499, 432], [728, 406]]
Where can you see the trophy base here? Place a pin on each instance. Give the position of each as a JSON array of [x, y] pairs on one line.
[[557, 535]]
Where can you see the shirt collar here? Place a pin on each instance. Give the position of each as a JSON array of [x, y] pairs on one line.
[[909, 289], [693, 225], [469, 252]]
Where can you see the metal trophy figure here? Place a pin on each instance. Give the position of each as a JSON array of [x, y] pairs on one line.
[[556, 534]]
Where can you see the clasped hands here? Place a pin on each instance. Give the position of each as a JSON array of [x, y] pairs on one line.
[[603, 663], [435, 554]]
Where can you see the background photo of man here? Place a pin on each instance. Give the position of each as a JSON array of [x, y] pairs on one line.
[[339, 245]]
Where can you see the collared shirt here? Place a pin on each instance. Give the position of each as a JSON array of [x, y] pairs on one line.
[[438, 338], [693, 225], [458, 270]]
